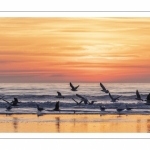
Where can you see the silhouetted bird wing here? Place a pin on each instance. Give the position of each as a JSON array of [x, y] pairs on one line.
[[137, 94], [80, 101], [75, 100], [16, 100], [6, 101], [118, 97], [59, 94], [80, 96], [110, 96], [76, 87], [102, 86], [71, 85]]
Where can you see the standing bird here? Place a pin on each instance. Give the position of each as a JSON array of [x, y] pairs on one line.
[[59, 95], [114, 99], [102, 108], [119, 109], [83, 98], [92, 102], [73, 88], [39, 108], [56, 107], [78, 103], [128, 108], [138, 96], [103, 88], [8, 108]]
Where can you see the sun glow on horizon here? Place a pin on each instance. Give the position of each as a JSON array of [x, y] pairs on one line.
[[74, 49]]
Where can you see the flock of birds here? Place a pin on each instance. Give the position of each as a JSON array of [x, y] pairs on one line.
[[83, 99]]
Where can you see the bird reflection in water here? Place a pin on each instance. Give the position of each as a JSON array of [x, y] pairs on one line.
[[148, 125], [57, 124], [15, 124]]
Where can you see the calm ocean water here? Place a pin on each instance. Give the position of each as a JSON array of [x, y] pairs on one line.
[[44, 94]]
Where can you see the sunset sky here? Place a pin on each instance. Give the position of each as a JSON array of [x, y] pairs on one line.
[[74, 49]]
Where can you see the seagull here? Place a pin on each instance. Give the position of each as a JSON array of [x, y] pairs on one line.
[[56, 107], [16, 100], [83, 98], [8, 107], [39, 108], [59, 95], [102, 108], [128, 108], [114, 99], [138, 96], [103, 88], [78, 103], [13, 103], [119, 109], [73, 88], [92, 102]]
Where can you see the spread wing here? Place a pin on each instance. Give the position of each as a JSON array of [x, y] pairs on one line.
[[71, 85], [102, 86], [118, 97], [75, 100], [76, 87], [59, 94], [110, 96], [137, 94], [80, 96], [6, 101]]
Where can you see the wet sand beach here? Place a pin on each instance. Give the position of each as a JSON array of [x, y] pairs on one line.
[[76, 123]]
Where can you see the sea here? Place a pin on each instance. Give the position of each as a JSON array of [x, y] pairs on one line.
[[44, 94]]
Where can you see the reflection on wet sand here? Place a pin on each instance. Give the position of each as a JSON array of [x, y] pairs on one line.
[[58, 123], [15, 123]]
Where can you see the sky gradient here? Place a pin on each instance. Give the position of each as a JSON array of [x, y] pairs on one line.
[[74, 49]]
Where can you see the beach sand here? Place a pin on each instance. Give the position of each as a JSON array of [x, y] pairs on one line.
[[74, 123]]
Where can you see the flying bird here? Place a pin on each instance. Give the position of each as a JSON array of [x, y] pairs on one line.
[[114, 99], [138, 96], [103, 88], [56, 107], [59, 95], [16, 100], [73, 88], [83, 98], [92, 102], [13, 103], [78, 103]]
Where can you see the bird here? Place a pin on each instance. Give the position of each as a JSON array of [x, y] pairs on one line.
[[102, 108], [103, 88], [73, 88], [9, 107], [39, 108], [92, 102], [138, 96], [59, 95], [56, 107], [83, 98], [13, 103], [16, 100], [78, 103], [119, 109], [128, 108], [114, 99]]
